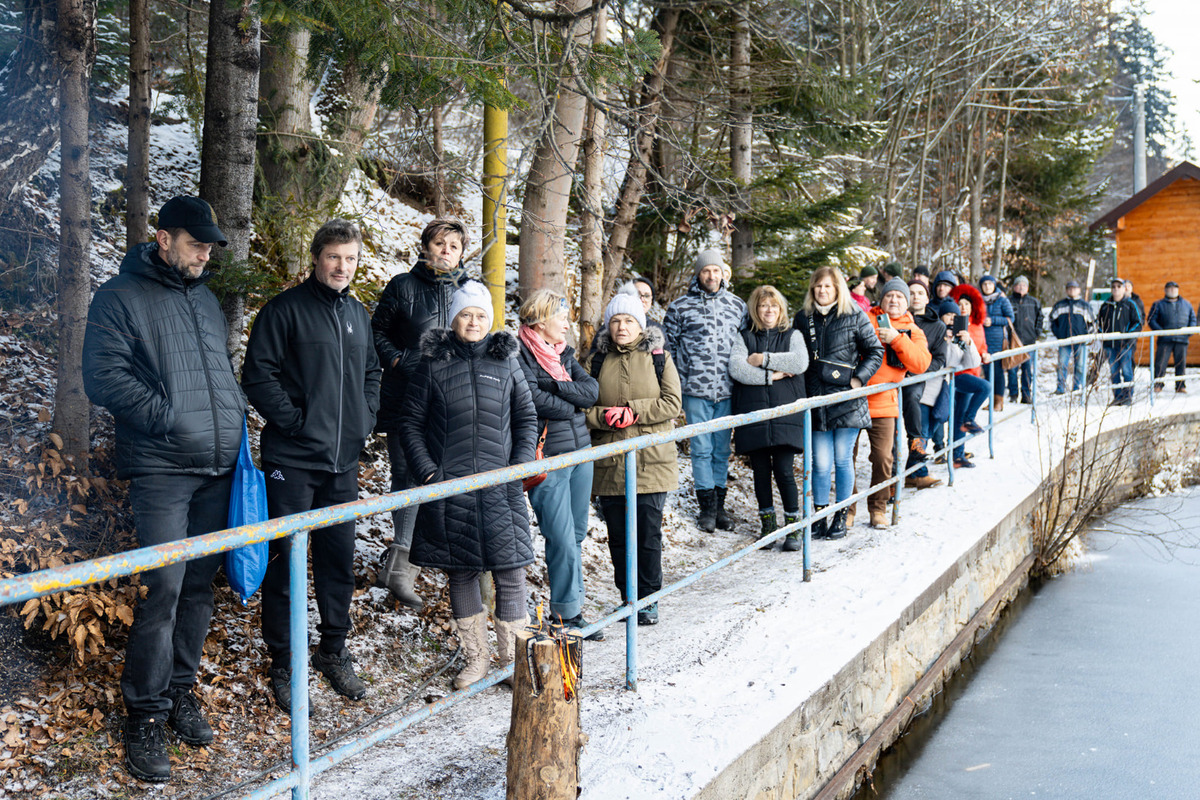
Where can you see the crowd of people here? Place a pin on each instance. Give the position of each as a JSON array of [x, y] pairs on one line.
[[455, 395]]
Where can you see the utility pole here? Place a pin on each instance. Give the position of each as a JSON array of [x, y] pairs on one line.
[[1139, 138]]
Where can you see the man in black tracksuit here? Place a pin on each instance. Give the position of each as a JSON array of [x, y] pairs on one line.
[[312, 372], [154, 355]]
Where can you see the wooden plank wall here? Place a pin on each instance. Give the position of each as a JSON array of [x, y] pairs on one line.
[[1161, 242]]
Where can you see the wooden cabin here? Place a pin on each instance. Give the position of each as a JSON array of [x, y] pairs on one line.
[[1157, 234]]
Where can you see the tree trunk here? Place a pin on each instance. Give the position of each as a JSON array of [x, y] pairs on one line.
[[137, 161], [741, 136], [229, 139], [30, 84], [634, 184], [977, 184], [544, 735], [76, 54], [998, 250], [548, 183], [591, 288]]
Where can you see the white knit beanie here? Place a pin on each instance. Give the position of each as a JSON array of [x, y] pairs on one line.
[[625, 303], [472, 294]]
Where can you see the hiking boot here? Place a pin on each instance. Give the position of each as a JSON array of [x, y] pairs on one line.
[[724, 521], [707, 519], [923, 482], [187, 720], [879, 519], [970, 426], [280, 679], [837, 527], [962, 463], [146, 749], [917, 446], [579, 622], [648, 615], [338, 669], [820, 530], [769, 523]]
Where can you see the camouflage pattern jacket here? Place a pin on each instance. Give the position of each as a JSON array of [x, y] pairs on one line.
[[700, 328]]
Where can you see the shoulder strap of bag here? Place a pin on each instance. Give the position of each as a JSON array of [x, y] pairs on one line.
[[658, 356]]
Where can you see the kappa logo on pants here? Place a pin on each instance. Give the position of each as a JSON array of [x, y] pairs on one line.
[[277, 476]]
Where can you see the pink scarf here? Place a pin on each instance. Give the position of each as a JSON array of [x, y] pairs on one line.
[[547, 355]]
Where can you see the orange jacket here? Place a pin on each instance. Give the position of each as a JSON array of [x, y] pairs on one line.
[[913, 352]]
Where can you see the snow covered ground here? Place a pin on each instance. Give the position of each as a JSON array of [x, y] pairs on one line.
[[738, 651]]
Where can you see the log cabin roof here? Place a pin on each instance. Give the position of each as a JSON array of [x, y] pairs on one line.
[[1185, 170]]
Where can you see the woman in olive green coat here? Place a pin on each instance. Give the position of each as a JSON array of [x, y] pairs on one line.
[[639, 394]]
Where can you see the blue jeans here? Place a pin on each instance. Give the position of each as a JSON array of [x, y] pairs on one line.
[[833, 451], [561, 504], [710, 451], [994, 373], [1120, 362], [1026, 380], [1078, 352], [970, 394]]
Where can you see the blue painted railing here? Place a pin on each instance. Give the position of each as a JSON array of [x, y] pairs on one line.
[[49, 581]]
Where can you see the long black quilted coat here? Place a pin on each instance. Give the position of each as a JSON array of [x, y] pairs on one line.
[[846, 339], [468, 410], [154, 355]]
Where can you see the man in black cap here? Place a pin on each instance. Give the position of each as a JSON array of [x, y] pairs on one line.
[[1070, 317], [1118, 314], [1170, 313], [154, 355]]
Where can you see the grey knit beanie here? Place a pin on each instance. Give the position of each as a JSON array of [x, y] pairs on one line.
[[706, 258], [897, 285]]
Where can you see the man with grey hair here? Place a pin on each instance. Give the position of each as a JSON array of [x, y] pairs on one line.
[[313, 374], [700, 328], [1027, 322]]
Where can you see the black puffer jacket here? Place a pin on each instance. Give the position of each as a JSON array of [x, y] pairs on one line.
[[935, 336], [411, 304], [468, 410], [848, 339], [786, 431], [311, 371], [154, 355], [560, 404]]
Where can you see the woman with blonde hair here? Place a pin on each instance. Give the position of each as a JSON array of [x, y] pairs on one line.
[[561, 390], [767, 366], [843, 353]]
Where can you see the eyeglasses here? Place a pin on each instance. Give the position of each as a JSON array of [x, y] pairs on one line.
[[645, 295]]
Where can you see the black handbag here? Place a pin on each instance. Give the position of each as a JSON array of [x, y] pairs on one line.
[[833, 373]]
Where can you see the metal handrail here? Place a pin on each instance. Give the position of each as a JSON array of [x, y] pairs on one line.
[[22, 588]]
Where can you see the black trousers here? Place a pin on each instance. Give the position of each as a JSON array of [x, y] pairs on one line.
[[649, 540], [914, 425], [166, 639], [291, 490], [780, 461], [1165, 351]]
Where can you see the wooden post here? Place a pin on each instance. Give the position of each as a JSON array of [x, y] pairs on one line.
[[544, 737]]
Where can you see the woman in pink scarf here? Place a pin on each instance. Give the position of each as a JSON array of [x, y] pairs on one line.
[[561, 390]]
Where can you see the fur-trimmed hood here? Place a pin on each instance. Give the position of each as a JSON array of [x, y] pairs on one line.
[[652, 339], [440, 344], [978, 306]]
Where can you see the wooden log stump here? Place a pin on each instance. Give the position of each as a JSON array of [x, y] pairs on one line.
[[544, 736]]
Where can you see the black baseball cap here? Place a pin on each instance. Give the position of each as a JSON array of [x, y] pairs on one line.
[[195, 216], [1172, 283]]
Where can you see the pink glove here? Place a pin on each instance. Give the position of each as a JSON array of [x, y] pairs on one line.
[[619, 416]]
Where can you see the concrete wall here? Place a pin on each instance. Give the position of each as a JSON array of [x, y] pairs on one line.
[[802, 755]]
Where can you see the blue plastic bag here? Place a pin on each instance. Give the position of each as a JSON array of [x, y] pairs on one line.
[[246, 566]]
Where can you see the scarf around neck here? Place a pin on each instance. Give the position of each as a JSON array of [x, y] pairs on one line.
[[548, 355]]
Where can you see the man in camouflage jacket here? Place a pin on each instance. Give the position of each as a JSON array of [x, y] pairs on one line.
[[700, 328]]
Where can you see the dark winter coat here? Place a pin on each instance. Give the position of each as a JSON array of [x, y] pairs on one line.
[[560, 404], [312, 372], [848, 339], [935, 337], [1167, 314], [1001, 313], [700, 328], [411, 304], [627, 378], [1071, 318], [154, 355], [468, 410], [1027, 318], [1118, 317], [753, 389], [1141, 307]]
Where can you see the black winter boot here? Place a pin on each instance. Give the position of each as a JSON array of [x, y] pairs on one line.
[[146, 749], [724, 521], [769, 524], [707, 521], [821, 530], [837, 528]]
